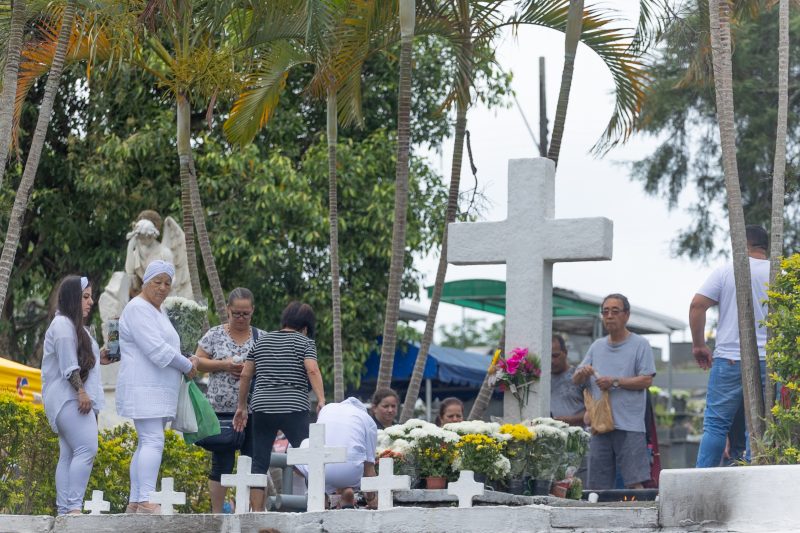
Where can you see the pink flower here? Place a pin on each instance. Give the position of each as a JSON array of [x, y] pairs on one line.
[[519, 353], [512, 365]]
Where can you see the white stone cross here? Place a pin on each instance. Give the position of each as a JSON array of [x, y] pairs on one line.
[[385, 483], [167, 497], [465, 488], [529, 241], [316, 456], [97, 504], [243, 480]]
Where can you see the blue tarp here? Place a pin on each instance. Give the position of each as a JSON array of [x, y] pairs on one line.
[[448, 365]]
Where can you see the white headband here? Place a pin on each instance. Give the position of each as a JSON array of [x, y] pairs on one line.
[[158, 267], [84, 283]]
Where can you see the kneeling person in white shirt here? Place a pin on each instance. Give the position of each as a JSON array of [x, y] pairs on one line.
[[347, 425]]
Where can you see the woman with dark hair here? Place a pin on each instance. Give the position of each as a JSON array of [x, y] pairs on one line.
[[222, 352], [451, 410], [384, 407], [283, 362], [71, 391]]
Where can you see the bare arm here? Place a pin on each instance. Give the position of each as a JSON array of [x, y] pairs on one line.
[[697, 325], [205, 363], [315, 377], [574, 420], [240, 418], [636, 382]]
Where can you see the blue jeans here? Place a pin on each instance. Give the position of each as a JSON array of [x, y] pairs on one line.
[[722, 401]]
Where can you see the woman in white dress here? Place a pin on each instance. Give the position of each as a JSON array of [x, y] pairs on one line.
[[72, 392], [149, 379]]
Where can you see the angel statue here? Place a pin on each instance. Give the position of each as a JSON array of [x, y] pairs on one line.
[[144, 247]]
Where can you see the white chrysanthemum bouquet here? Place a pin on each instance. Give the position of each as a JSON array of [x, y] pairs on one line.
[[188, 318]]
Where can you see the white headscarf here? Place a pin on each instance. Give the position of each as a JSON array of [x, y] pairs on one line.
[[158, 267], [84, 283]]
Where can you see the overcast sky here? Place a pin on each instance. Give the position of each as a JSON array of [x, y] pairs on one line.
[[642, 267]]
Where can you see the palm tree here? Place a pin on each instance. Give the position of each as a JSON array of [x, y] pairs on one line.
[[720, 32], [396, 268], [35, 152], [10, 73], [313, 41], [571, 39], [482, 23], [779, 170]]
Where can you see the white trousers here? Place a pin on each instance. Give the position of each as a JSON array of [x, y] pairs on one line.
[[77, 442], [147, 458], [339, 475]]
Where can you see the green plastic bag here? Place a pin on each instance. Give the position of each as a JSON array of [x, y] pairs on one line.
[[207, 422]]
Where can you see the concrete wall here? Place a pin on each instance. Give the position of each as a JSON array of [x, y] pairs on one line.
[[532, 518], [751, 498]]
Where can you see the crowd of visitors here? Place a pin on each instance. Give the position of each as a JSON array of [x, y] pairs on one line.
[[259, 385]]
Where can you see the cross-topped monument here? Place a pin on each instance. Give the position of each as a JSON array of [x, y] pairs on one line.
[[386, 483], [243, 480], [529, 241], [168, 497], [316, 456], [97, 504], [465, 488]]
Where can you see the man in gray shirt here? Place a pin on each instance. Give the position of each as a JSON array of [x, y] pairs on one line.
[[566, 398], [621, 363]]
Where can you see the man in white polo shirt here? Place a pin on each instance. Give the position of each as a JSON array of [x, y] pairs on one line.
[[725, 381]]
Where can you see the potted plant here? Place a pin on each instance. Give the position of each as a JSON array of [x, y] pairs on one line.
[[433, 454], [483, 455], [518, 450], [548, 453]]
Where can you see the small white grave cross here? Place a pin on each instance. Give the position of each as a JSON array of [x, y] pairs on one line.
[[316, 456], [167, 497], [243, 480], [97, 504], [385, 483], [465, 488], [529, 241]]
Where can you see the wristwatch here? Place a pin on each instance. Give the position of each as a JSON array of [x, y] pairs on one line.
[[615, 384]]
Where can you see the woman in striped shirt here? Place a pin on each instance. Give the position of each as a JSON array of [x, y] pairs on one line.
[[283, 362]]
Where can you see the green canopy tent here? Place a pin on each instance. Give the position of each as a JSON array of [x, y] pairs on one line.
[[573, 312]]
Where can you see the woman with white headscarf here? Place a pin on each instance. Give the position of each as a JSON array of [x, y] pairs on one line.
[[149, 378], [71, 391]]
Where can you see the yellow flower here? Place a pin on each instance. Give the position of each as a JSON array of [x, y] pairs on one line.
[[494, 360]]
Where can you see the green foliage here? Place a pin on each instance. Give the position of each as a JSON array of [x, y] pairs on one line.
[[680, 110], [29, 454], [473, 332], [782, 439], [187, 464], [28, 457]]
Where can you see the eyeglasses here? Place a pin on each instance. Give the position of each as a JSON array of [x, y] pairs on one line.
[[241, 314], [614, 311]]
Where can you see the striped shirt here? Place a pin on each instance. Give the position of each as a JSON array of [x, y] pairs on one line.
[[281, 377]]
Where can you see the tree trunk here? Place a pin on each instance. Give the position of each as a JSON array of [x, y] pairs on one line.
[[333, 220], [185, 156], [187, 220], [571, 40], [397, 267], [441, 271], [719, 11], [485, 394], [10, 81], [35, 152], [779, 174]]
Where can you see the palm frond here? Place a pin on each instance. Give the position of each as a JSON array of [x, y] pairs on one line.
[[254, 107]]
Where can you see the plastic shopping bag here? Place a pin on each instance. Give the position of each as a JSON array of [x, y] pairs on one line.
[[600, 415], [207, 422], [185, 419]]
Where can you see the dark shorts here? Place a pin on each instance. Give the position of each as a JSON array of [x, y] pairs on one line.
[[621, 450]]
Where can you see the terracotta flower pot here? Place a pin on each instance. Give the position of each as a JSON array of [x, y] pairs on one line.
[[435, 482]]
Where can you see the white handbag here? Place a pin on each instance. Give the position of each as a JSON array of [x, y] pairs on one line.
[[185, 419]]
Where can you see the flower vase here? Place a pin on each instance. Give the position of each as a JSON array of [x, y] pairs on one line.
[[539, 487], [435, 482], [516, 486]]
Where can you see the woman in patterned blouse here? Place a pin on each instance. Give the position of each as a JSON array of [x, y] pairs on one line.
[[222, 352]]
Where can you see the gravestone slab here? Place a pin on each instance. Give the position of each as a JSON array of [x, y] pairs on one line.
[[529, 242]]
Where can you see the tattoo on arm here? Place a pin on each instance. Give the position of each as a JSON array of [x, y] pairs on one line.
[[75, 380]]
